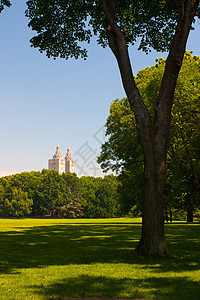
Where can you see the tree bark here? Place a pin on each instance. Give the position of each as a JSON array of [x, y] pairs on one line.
[[170, 211], [152, 239], [154, 135], [189, 211]]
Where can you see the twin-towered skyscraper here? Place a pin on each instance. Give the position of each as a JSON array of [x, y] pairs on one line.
[[60, 164]]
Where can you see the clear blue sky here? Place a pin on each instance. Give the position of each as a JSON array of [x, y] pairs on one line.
[[46, 102]]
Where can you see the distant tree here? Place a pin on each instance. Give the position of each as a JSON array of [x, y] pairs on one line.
[[21, 205], [2, 192], [101, 196], [73, 195], [107, 197], [51, 182], [131, 192], [18, 206], [90, 185], [29, 182]]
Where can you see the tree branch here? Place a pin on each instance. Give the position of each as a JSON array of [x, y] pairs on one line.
[[163, 104], [118, 45], [196, 179], [177, 3]]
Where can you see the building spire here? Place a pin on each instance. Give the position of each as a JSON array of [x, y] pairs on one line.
[[70, 165], [68, 154], [57, 153]]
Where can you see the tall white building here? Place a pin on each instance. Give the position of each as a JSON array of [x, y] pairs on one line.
[[70, 165], [60, 164]]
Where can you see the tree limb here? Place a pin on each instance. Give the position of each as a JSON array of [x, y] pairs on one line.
[[164, 101], [118, 45]]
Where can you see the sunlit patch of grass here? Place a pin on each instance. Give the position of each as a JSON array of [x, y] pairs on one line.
[[59, 258]]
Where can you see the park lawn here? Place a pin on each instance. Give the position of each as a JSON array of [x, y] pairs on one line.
[[60, 258]]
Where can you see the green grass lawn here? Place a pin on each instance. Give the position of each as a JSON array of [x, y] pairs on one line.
[[56, 259]]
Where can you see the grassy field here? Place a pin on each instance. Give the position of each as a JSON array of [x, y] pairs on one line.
[[56, 259]]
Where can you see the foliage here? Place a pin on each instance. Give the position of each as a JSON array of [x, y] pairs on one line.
[[184, 150], [183, 161], [20, 204], [131, 192], [118, 152], [90, 186], [101, 197], [4, 3], [74, 195], [122, 152], [107, 197], [66, 195], [62, 25]]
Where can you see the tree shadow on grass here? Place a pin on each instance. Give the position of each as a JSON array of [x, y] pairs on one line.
[[66, 244], [85, 286], [88, 243]]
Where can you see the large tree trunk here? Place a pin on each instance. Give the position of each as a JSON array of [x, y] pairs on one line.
[[154, 135], [152, 239], [189, 211]]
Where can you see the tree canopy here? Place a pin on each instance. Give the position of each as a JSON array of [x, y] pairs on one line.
[[4, 3], [122, 152], [62, 25]]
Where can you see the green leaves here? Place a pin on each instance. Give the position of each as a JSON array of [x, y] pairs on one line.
[[62, 26], [101, 196], [4, 3], [184, 150], [48, 192], [20, 204], [119, 151], [122, 152]]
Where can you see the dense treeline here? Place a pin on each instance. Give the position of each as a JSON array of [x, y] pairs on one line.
[[49, 193]]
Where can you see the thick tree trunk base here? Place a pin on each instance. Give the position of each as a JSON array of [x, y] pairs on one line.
[[150, 249], [189, 218], [190, 213]]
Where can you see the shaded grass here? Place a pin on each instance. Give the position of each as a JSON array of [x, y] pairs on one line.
[[45, 258]]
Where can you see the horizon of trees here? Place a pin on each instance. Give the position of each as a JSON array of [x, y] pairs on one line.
[[50, 194]]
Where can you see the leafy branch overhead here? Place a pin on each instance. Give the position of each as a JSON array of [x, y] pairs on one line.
[[62, 25], [4, 3]]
